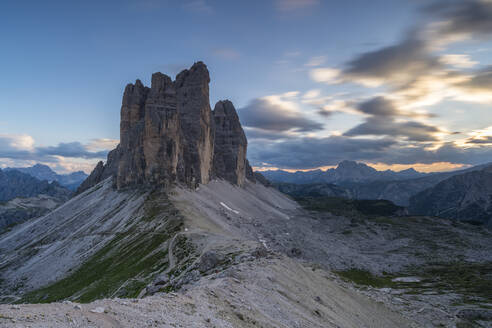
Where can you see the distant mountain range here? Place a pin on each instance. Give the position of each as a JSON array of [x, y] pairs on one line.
[[23, 197], [463, 194], [44, 172], [466, 196], [17, 184], [346, 171]]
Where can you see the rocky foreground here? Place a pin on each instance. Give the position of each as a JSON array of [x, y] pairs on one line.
[[270, 292]]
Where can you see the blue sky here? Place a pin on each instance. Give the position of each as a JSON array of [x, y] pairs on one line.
[[64, 65]]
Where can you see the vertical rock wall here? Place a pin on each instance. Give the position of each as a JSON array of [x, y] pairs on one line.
[[230, 144], [168, 134]]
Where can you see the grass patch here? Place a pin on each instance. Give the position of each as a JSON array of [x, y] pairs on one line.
[[349, 207], [365, 278], [472, 280], [121, 268]]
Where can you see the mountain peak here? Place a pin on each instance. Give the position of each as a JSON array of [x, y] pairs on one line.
[[352, 165], [168, 134], [347, 164]]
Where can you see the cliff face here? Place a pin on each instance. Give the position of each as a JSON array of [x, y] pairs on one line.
[[168, 134], [230, 144]]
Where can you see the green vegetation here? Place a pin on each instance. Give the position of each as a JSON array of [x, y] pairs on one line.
[[125, 265], [471, 280], [365, 278], [349, 207]]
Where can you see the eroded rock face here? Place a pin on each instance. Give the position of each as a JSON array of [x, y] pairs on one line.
[[168, 134], [162, 136], [196, 122], [230, 144]]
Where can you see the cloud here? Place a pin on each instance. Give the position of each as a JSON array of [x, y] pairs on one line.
[[448, 152], [278, 113], [325, 75], [102, 144], [413, 71], [226, 53], [255, 134], [21, 149], [198, 6], [480, 81], [461, 19], [411, 131], [479, 137], [384, 107], [305, 153], [316, 61], [458, 61], [293, 5], [486, 140], [71, 149], [378, 106], [308, 153], [396, 65], [16, 142], [312, 94], [384, 119]]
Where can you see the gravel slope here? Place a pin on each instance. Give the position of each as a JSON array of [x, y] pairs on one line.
[[270, 292]]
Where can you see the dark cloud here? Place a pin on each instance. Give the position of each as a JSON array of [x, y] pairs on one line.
[[378, 106], [71, 149], [448, 152], [463, 17], [414, 68], [256, 133], [262, 113], [382, 122], [486, 140], [411, 131], [399, 63], [481, 80], [305, 153]]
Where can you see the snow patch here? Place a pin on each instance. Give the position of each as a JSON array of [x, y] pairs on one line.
[[228, 208]]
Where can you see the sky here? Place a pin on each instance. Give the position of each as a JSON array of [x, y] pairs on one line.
[[394, 84]]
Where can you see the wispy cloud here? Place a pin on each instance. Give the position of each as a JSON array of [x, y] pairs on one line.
[[316, 61], [198, 6], [21, 149], [405, 78], [292, 5], [226, 53], [278, 113], [413, 70]]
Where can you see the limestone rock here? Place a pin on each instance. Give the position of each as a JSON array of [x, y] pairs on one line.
[[250, 175], [169, 134], [94, 178], [230, 144], [195, 115], [102, 172], [261, 179], [162, 135]]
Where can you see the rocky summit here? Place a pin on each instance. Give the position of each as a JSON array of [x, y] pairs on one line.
[[169, 134]]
